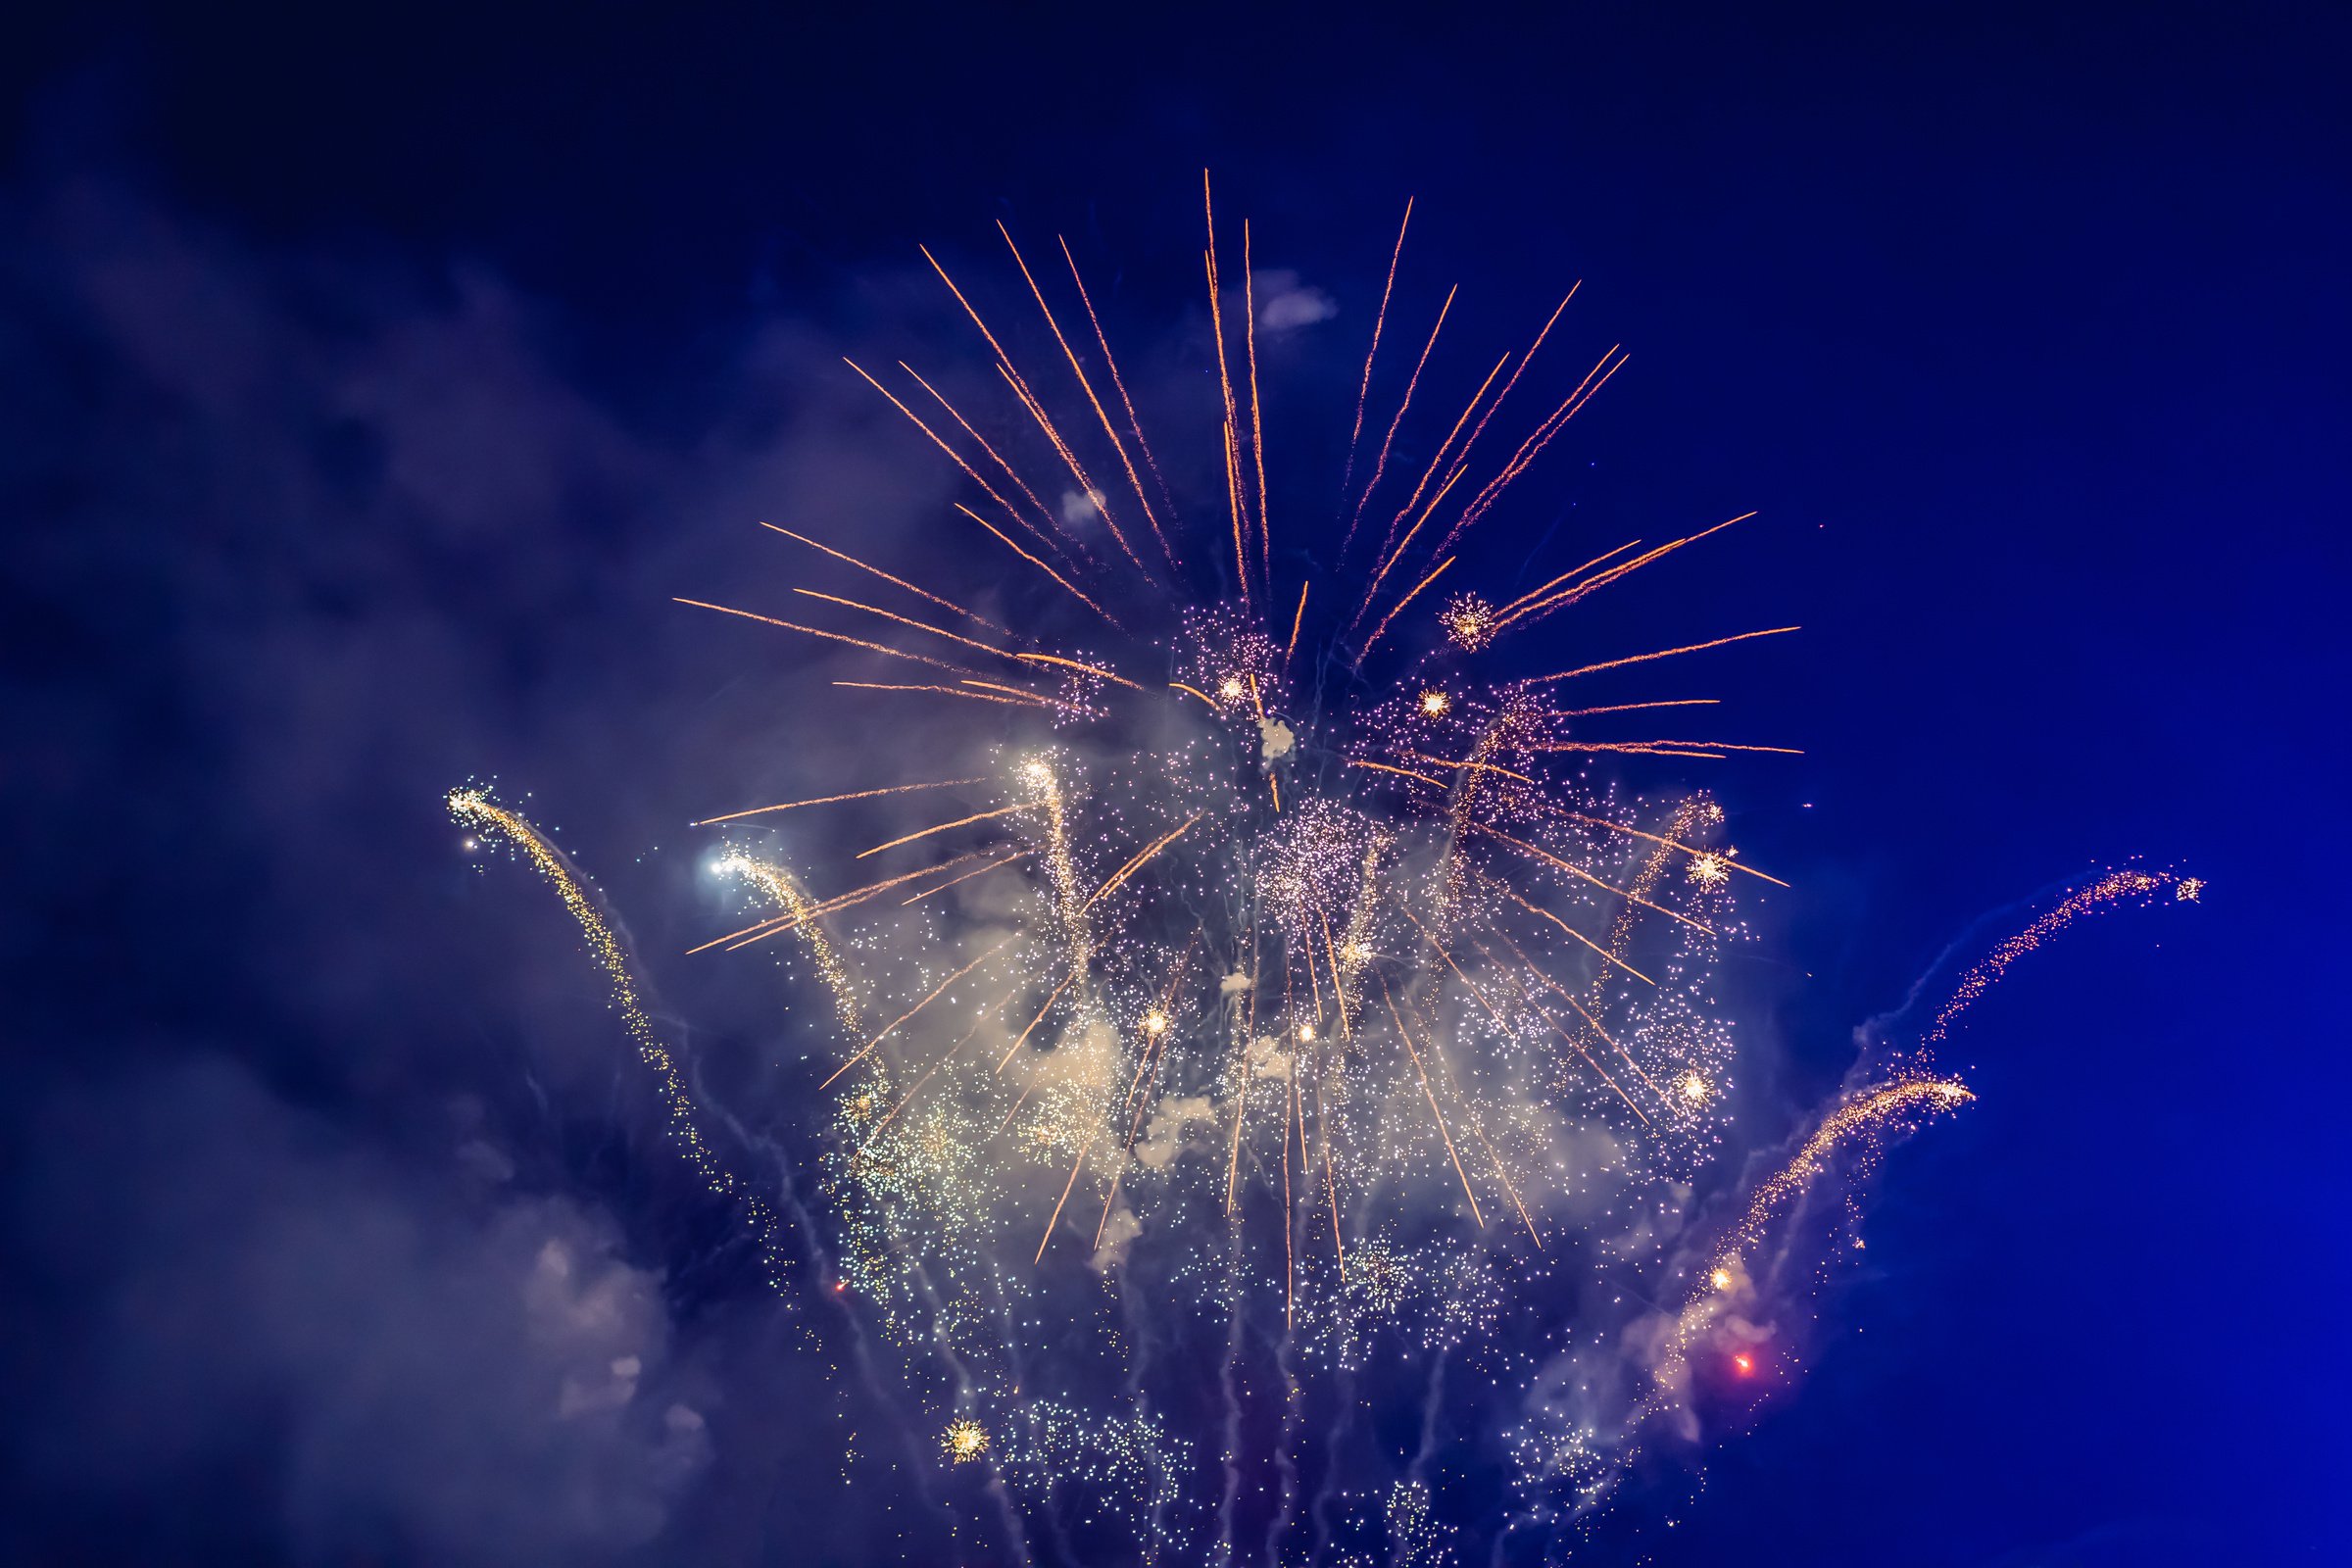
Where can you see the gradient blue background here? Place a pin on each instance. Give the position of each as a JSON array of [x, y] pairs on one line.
[[2026, 332]]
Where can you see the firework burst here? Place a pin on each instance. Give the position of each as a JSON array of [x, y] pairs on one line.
[[1277, 952]]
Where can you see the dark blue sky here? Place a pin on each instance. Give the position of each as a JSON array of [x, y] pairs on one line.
[[373, 377]]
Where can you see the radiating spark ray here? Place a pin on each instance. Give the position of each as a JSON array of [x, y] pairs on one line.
[[1663, 653], [1672, 843], [1550, 859], [1381, 465], [828, 800], [1216, 322], [1031, 1028], [1133, 423], [941, 691], [1020, 855], [1431, 1095], [942, 827], [1095, 670], [1067, 586], [1059, 539], [1066, 1198], [939, 441], [1404, 773], [1141, 861], [1087, 386], [1434, 575], [1364, 390], [833, 636], [1513, 895], [840, 901], [1444, 447], [928, 999], [905, 620], [899, 583]]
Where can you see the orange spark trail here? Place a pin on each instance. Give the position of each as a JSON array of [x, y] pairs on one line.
[[1118, 446], [942, 827], [1501, 1175], [1296, 617], [903, 620], [1037, 411], [1444, 447], [1071, 664], [1574, 1043], [1663, 748], [1258, 431], [1357, 762], [833, 636], [1536, 592], [783, 924], [1364, 391], [943, 691], [1663, 653], [934, 1066], [1036, 562], [1381, 466], [1672, 843], [1139, 862], [1241, 1103], [1235, 504], [966, 877], [1094, 492], [1577, 591], [1562, 991], [1010, 472], [1397, 553], [1576, 870], [900, 582], [1513, 894], [777, 926], [1028, 696], [1399, 609], [1011, 510], [917, 1007], [1630, 708], [1533, 445], [829, 799], [1034, 1023], [1133, 423], [1066, 1198], [1525, 361], [1216, 322], [1179, 686], [1431, 1095], [1470, 763]]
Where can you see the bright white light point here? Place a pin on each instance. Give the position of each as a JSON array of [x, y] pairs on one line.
[[1721, 1279], [1695, 1088], [473, 844], [1036, 772], [1306, 1030], [1231, 689], [1155, 1022], [1435, 703]]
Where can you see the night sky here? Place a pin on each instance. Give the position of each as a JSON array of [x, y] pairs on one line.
[[371, 381]]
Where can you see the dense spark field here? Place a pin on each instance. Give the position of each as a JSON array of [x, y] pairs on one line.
[[1236, 968]]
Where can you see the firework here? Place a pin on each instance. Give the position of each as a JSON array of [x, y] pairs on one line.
[[1305, 976]]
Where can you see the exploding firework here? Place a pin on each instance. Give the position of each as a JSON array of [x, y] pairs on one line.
[[1277, 964]]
